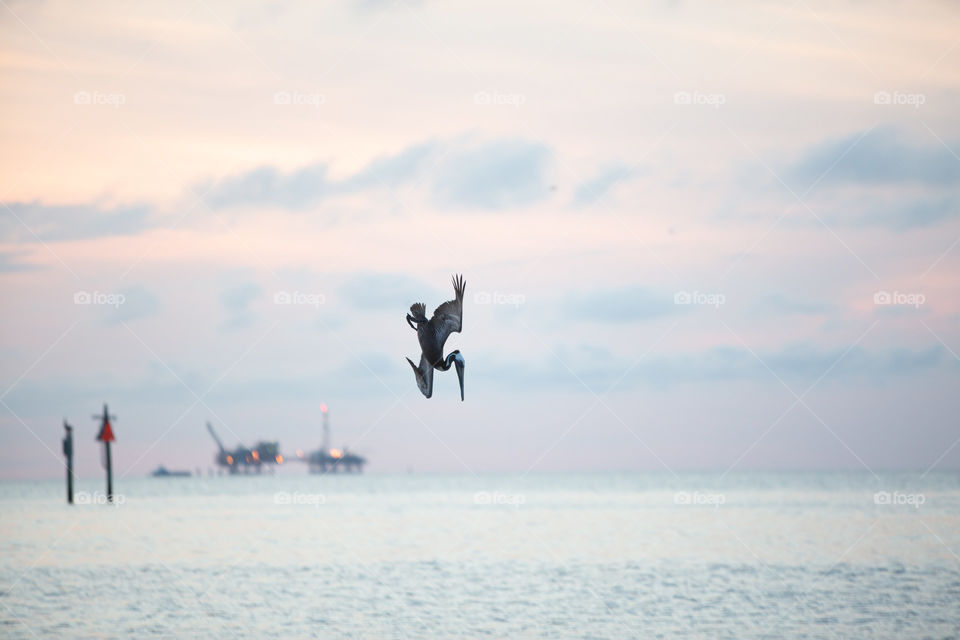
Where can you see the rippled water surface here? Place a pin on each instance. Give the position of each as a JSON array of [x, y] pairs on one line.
[[797, 555]]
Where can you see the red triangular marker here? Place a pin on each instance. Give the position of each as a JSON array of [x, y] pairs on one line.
[[106, 433]]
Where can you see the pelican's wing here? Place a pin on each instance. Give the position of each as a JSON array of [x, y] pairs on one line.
[[448, 317], [424, 375]]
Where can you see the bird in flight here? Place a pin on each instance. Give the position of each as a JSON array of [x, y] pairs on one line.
[[433, 333]]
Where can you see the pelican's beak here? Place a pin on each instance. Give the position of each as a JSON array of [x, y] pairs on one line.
[[460, 365]]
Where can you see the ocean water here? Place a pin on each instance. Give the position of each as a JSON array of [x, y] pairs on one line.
[[751, 555]]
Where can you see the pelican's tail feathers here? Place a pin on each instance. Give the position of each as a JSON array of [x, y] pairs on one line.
[[419, 311]]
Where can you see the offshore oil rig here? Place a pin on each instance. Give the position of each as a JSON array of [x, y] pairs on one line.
[[246, 460], [326, 459], [329, 460]]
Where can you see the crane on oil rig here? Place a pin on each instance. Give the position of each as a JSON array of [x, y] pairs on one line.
[[244, 458]]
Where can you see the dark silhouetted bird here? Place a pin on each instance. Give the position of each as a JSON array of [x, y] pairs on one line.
[[433, 333]]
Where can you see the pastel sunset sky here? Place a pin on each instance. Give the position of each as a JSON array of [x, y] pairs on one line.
[[694, 235]]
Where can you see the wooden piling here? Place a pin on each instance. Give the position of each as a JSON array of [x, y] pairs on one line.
[[68, 452]]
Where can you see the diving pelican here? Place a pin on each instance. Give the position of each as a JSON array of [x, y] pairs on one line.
[[433, 333]]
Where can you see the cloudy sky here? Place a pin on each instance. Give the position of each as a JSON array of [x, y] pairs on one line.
[[694, 236]]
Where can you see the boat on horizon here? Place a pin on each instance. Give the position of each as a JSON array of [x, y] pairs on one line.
[[163, 472]]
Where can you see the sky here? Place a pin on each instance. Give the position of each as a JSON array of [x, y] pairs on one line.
[[694, 235]]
